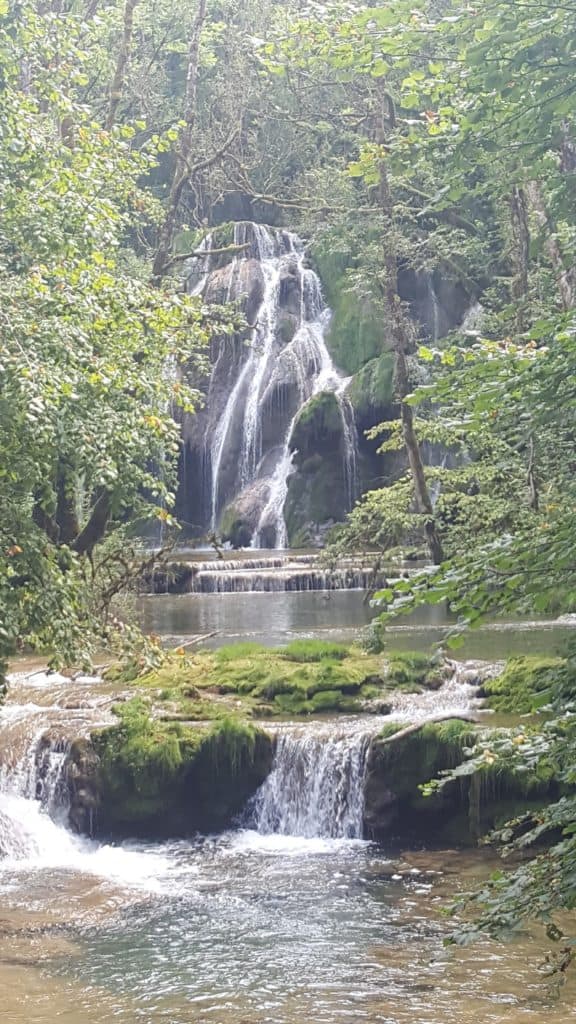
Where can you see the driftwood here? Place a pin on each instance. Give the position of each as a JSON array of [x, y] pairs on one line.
[[199, 639], [446, 717]]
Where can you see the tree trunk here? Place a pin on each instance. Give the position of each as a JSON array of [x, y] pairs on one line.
[[96, 526], [121, 64], [67, 491], [564, 277], [520, 253], [402, 344], [421, 492], [162, 258]]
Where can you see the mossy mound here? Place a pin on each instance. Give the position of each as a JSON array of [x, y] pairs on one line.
[[413, 670], [372, 390], [462, 810], [157, 778], [525, 685], [304, 678]]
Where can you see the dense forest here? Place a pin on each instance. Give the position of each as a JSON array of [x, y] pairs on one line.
[[425, 152]]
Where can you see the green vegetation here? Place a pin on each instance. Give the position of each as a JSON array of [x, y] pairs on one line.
[[155, 777], [315, 650], [355, 335], [476, 792], [424, 149], [525, 686], [306, 677], [372, 389], [413, 670]]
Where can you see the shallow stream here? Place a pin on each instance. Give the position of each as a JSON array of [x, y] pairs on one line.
[[257, 926], [252, 929]]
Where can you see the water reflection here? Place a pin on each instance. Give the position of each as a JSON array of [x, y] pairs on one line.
[[276, 618]]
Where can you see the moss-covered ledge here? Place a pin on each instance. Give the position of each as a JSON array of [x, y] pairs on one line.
[[145, 777], [402, 761], [305, 677]]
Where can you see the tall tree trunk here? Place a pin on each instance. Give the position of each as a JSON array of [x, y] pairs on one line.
[[520, 253], [117, 85], [564, 277], [95, 529], [402, 344], [421, 492], [67, 492], [181, 171]]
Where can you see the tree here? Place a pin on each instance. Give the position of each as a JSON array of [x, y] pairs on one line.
[[85, 388]]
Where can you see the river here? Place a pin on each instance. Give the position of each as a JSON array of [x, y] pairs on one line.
[[276, 618], [256, 926], [249, 929]]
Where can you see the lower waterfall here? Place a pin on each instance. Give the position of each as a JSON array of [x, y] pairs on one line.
[[34, 802], [316, 787]]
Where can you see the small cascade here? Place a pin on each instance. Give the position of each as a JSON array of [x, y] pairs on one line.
[[316, 787], [258, 392], [289, 573], [34, 799], [288, 579]]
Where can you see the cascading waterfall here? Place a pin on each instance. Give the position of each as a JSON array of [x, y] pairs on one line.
[[272, 367], [316, 787], [34, 799]]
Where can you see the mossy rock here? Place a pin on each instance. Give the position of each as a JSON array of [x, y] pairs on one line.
[[524, 686], [156, 778], [464, 809], [318, 427], [371, 391], [248, 679], [317, 498], [355, 334]]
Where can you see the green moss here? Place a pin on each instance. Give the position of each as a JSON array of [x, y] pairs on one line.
[[249, 679], [466, 807], [318, 425], [525, 685], [355, 333], [412, 670], [332, 700], [235, 652], [421, 756], [159, 776], [372, 389], [234, 528], [314, 650]]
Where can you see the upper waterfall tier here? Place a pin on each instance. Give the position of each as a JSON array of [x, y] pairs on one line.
[[261, 385]]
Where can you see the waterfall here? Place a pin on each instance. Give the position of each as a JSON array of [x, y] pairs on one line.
[[316, 787], [34, 799], [272, 372]]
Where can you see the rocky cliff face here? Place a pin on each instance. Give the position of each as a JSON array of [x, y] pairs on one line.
[[242, 452], [279, 452]]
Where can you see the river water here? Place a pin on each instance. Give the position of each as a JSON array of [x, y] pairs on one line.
[[289, 919], [255, 929], [276, 618]]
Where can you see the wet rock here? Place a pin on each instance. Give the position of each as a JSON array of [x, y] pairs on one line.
[[83, 786], [119, 787]]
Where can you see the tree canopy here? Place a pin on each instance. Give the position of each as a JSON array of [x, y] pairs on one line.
[[428, 137]]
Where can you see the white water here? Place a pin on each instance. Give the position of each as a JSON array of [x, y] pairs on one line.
[[305, 360], [316, 787], [34, 795]]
